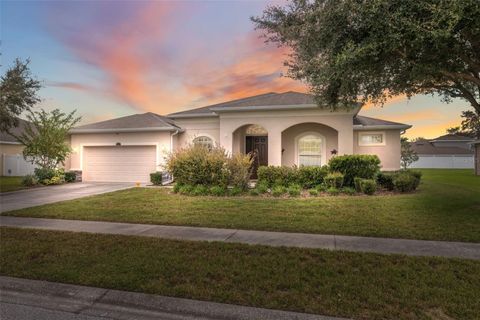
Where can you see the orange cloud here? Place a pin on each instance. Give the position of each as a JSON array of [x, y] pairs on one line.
[[391, 100], [433, 130]]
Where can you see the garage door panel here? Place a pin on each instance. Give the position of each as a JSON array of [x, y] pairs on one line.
[[119, 164]]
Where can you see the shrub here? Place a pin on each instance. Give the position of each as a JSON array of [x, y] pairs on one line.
[[176, 188], [29, 180], [70, 176], [254, 192], [358, 184], [294, 190], [185, 189], [197, 164], [273, 175], [334, 180], [199, 190], [310, 176], [406, 182], [357, 165], [321, 188], [235, 191], [348, 190], [278, 190], [262, 187], [369, 186], [313, 192], [156, 178], [240, 170], [333, 191], [385, 179], [44, 173], [218, 191]]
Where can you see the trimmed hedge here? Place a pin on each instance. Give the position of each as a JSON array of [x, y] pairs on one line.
[[403, 181], [156, 178], [70, 176], [355, 166], [334, 180], [307, 177]]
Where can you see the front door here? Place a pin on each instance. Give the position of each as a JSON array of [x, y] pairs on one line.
[[258, 147]]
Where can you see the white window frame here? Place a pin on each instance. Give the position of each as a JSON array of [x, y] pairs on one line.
[[204, 136], [366, 133], [323, 152]]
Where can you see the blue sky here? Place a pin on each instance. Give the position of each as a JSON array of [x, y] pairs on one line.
[[113, 58]]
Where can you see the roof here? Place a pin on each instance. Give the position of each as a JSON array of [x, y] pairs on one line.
[[138, 122], [258, 102], [367, 123], [453, 137], [18, 130], [425, 147]]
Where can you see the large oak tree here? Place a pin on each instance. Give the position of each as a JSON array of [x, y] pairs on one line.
[[367, 50]]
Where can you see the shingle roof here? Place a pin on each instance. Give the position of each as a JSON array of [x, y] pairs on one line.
[[453, 137], [425, 147], [266, 99], [18, 130], [138, 122], [367, 122]]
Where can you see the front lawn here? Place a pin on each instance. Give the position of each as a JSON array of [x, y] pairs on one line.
[[358, 285], [446, 207], [8, 184]]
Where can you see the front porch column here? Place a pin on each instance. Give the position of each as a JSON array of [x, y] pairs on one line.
[[345, 142], [274, 147]]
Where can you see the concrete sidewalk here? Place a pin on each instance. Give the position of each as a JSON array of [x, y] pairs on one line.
[[41, 300], [301, 240]]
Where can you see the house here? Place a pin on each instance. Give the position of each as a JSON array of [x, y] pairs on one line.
[[283, 128], [12, 162], [448, 151]]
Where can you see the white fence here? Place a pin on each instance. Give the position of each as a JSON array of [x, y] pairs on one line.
[[15, 165], [444, 162]]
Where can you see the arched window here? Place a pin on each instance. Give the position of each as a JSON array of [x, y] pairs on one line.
[[310, 150], [203, 141]]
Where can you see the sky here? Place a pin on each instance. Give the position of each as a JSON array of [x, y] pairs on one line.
[[108, 59]]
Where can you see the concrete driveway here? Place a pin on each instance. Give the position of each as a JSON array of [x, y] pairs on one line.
[[38, 196]]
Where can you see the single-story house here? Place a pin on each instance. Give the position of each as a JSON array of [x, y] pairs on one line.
[[283, 128], [452, 151], [11, 160]]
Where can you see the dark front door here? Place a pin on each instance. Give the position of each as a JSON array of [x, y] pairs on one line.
[[257, 146]]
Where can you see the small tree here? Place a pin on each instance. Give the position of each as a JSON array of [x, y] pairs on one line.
[[470, 126], [45, 137], [408, 155], [18, 93]]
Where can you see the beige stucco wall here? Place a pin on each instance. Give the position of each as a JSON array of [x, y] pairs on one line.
[[290, 137], [9, 149], [195, 127], [389, 154], [161, 139], [275, 122]]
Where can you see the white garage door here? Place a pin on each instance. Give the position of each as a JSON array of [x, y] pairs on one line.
[[444, 162], [119, 164]]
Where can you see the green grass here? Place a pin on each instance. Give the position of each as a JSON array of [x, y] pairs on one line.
[[446, 207], [8, 184], [359, 285]]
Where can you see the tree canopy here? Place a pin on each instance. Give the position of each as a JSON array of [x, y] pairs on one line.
[[45, 137], [18, 93], [470, 125], [368, 50]]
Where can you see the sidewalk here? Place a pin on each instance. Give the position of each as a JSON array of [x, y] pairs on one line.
[[302, 240], [42, 300]]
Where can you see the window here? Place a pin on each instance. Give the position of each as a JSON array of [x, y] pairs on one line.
[[310, 148], [371, 139], [203, 141]]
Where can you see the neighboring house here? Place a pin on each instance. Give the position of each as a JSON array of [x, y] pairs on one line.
[[476, 150], [283, 128], [11, 160], [448, 151]]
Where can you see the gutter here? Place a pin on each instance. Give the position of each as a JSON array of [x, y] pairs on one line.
[[9, 142], [360, 127], [125, 130]]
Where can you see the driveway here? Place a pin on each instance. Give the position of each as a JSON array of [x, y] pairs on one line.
[[38, 196]]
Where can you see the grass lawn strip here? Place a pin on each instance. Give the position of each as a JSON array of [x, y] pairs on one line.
[[8, 184], [359, 285], [447, 207]]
